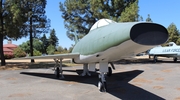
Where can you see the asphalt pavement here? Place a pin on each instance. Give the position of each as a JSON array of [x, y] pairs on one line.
[[130, 81]]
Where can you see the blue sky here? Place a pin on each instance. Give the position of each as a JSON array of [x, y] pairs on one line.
[[163, 12]]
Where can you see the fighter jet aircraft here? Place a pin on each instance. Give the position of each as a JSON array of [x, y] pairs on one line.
[[109, 41], [172, 50]]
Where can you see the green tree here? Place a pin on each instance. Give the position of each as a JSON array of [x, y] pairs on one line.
[[173, 33], [65, 49], [178, 41], [45, 43], [25, 46], [130, 13], [60, 49], [37, 21], [18, 52], [149, 19], [141, 18], [37, 53], [80, 15], [50, 49], [37, 44], [11, 22], [53, 40]]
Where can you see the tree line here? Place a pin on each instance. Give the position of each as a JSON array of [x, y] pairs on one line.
[[44, 45], [41, 46]]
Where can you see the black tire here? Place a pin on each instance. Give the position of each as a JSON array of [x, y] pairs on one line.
[[155, 59], [175, 59], [57, 72], [103, 87], [109, 73]]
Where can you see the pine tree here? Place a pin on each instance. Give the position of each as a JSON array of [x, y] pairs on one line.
[[130, 13], [149, 19], [173, 33], [45, 43], [12, 20], [80, 15], [37, 21], [53, 40]]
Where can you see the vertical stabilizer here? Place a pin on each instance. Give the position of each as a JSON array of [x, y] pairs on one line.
[[172, 44]]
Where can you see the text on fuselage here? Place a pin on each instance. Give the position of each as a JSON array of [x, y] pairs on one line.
[[171, 50]]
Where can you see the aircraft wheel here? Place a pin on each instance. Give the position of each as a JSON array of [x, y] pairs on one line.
[[175, 59], [155, 59], [57, 72], [102, 86], [109, 73], [99, 85]]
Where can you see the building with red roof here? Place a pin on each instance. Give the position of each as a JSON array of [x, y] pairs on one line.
[[9, 47]]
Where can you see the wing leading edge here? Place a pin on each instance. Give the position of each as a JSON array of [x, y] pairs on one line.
[[56, 56]]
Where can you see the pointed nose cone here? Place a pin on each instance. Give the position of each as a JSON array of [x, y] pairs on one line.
[[148, 34]]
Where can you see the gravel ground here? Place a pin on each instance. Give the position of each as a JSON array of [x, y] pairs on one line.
[[130, 81]]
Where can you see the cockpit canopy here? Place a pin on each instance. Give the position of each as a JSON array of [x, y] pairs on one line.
[[101, 22]]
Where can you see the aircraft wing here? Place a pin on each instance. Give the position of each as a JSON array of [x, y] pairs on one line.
[[56, 56]]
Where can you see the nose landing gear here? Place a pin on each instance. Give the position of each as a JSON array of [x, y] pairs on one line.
[[102, 83]]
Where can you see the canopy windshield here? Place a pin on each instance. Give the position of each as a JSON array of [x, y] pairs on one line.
[[101, 22]]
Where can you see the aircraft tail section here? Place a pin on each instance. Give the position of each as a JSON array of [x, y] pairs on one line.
[[172, 44]]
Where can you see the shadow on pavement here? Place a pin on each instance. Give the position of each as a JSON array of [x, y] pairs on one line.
[[23, 65], [143, 61], [117, 84]]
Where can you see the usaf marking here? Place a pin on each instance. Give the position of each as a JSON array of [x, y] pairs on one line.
[[171, 50]]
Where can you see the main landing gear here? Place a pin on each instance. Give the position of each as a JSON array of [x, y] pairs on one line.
[[155, 59], [58, 68], [175, 59], [104, 71], [85, 70], [109, 73]]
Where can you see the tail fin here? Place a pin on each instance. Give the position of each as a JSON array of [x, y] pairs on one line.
[[76, 38], [172, 44]]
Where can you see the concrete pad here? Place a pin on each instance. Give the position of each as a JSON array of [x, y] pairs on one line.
[[141, 81]]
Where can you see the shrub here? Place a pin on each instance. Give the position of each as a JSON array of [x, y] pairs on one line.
[[8, 56], [36, 53], [18, 52], [50, 49], [56, 52]]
